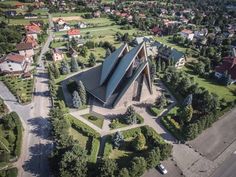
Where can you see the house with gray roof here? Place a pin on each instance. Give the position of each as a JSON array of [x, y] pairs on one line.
[[123, 77]]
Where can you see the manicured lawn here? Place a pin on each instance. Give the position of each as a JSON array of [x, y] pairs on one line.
[[24, 21], [96, 120], [56, 44], [66, 14], [226, 92], [22, 89], [78, 136], [165, 40]]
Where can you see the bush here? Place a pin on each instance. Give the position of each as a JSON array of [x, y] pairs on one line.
[[139, 142], [131, 133], [154, 111], [12, 172], [139, 118], [19, 132], [94, 150], [92, 118], [114, 123]]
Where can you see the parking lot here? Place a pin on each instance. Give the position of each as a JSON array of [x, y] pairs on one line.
[[213, 141], [173, 171]]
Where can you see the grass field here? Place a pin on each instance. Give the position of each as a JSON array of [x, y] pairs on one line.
[[96, 120], [78, 136], [226, 92]]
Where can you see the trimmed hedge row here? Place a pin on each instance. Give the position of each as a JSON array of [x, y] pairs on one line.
[[171, 128], [94, 150], [19, 132], [78, 125]]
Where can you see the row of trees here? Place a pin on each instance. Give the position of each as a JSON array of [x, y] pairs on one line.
[[79, 97]]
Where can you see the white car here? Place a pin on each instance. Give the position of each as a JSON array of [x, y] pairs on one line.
[[162, 169]]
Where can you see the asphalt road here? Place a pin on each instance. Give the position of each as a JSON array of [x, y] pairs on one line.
[[228, 168], [36, 145]]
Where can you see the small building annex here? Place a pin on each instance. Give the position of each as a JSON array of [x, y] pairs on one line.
[[124, 77]]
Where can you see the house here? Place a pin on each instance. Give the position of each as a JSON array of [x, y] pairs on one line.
[[25, 49], [228, 67], [82, 25], [10, 13], [156, 31], [107, 9], [170, 55], [32, 34], [97, 14], [57, 54], [63, 27], [13, 63], [33, 28], [187, 34], [19, 5], [60, 21], [73, 33], [123, 78], [30, 39]]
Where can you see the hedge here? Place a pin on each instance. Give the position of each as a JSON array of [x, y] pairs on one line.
[[80, 126], [171, 128], [152, 136], [154, 111], [19, 132], [140, 119], [94, 150]]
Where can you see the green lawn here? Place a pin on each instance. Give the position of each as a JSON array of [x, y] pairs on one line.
[[78, 136], [22, 89], [96, 120], [165, 40], [66, 14], [226, 92], [56, 44]]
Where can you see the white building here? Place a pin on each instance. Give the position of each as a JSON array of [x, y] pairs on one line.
[[13, 63], [187, 34]]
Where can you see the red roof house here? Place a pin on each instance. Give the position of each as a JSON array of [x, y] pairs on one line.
[[73, 33], [33, 28]]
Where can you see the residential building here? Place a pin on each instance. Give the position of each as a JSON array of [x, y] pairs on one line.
[[107, 9], [57, 54], [25, 49], [33, 28], [60, 21], [124, 77], [187, 34], [82, 25], [228, 67], [73, 33], [30, 39], [13, 63], [64, 27]]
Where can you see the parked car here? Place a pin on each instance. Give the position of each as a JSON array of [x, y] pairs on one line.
[[162, 169]]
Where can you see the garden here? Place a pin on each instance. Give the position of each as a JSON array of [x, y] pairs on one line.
[[197, 110], [94, 119], [21, 88], [11, 132], [138, 147]]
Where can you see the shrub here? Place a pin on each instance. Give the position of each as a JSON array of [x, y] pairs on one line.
[[131, 133], [154, 111], [139, 142], [92, 118], [12, 172], [140, 119], [117, 139], [94, 150], [114, 123]]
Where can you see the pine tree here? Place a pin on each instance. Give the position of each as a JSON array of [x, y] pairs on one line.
[[138, 166], [62, 107], [139, 142], [76, 100], [92, 60], [117, 139], [107, 168], [130, 116], [82, 92], [153, 158], [65, 69], [74, 65], [56, 71]]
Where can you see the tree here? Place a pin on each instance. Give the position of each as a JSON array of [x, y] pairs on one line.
[[74, 65], [56, 71], [62, 107], [161, 101], [124, 173], [92, 60], [82, 92], [165, 150], [186, 113], [130, 116], [139, 142], [74, 162], [108, 168], [65, 69], [190, 131], [76, 100], [153, 70], [153, 158], [199, 68], [138, 166], [117, 139]]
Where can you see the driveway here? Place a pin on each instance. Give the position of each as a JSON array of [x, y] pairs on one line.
[[213, 141]]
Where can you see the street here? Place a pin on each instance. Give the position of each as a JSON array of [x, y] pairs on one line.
[[228, 168]]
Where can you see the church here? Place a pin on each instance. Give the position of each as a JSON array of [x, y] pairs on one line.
[[124, 77]]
